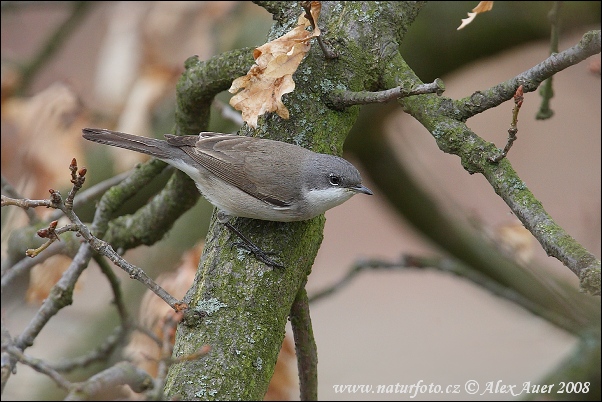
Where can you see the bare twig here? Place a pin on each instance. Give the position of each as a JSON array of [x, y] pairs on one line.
[[39, 366], [24, 265], [480, 101], [103, 247], [355, 269], [461, 270], [77, 179], [341, 99], [97, 244], [52, 234], [101, 353], [25, 203], [84, 197], [13, 193], [61, 293], [513, 130], [133, 271], [328, 52]]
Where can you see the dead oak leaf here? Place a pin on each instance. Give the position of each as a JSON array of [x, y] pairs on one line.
[[271, 76], [482, 7]]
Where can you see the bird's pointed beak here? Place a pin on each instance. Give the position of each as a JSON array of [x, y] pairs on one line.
[[361, 189]]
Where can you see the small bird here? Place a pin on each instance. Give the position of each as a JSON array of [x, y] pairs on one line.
[[250, 177]]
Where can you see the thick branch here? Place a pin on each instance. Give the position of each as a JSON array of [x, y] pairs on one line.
[[257, 299], [454, 137]]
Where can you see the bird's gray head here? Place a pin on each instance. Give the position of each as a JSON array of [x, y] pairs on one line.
[[330, 181]]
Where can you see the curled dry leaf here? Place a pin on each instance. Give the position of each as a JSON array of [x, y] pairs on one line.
[[271, 76], [480, 8]]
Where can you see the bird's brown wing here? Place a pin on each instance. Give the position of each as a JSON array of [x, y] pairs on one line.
[[242, 162]]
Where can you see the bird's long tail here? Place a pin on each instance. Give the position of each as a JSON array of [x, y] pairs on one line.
[[150, 146]]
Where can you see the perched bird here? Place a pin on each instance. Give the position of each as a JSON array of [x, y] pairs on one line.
[[250, 177]]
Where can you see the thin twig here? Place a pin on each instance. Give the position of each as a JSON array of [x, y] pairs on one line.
[[454, 267], [342, 99], [328, 52], [103, 247], [24, 265], [56, 201], [481, 101], [39, 366], [13, 193], [513, 130], [52, 234], [101, 353], [355, 269], [84, 197], [25, 203]]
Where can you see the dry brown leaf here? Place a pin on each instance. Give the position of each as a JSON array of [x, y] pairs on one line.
[[480, 8], [271, 76]]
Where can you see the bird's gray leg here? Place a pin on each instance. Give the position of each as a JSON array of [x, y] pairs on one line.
[[261, 255]]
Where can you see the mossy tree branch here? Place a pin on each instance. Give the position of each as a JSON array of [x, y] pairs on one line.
[[254, 301], [454, 137]]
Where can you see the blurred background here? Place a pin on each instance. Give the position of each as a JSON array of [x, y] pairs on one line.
[[69, 65]]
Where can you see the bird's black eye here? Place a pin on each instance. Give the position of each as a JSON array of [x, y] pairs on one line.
[[334, 179]]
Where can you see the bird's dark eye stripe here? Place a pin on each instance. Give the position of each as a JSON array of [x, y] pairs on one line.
[[334, 180]]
